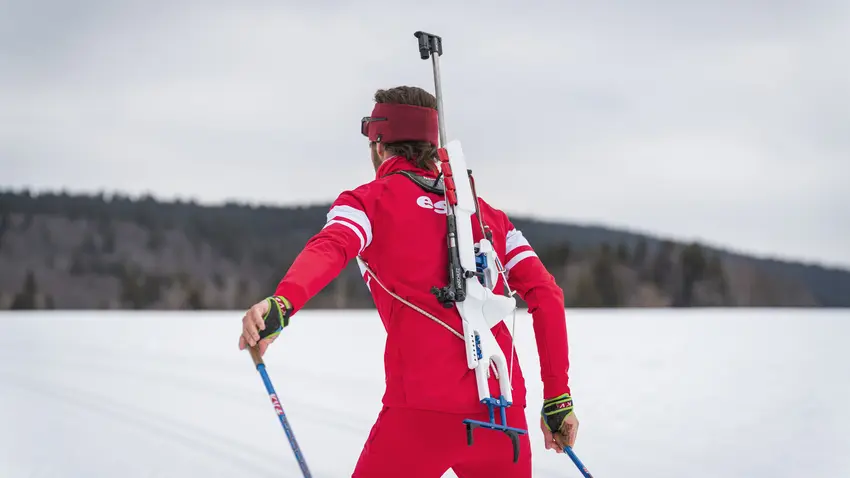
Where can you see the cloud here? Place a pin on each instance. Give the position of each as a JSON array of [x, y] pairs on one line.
[[724, 121]]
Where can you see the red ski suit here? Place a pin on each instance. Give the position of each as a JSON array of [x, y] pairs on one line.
[[397, 229]]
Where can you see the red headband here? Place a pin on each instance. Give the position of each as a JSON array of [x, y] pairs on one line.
[[396, 122]]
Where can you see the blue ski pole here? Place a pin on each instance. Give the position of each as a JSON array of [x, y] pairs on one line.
[[261, 367], [578, 462]]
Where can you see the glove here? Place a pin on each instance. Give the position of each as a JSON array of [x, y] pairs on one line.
[[280, 309], [555, 412], [272, 314]]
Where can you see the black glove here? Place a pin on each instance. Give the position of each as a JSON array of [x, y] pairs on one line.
[[555, 411], [277, 317]]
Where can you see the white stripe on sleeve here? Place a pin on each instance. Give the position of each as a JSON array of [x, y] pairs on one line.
[[356, 216], [515, 239], [519, 257], [353, 228]]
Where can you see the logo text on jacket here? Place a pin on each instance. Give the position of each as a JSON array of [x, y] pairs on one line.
[[424, 201]]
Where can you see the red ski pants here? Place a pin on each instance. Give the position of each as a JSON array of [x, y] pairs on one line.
[[407, 443]]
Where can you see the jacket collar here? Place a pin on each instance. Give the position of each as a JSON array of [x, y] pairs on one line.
[[400, 163]]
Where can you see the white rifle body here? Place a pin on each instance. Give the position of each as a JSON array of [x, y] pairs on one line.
[[482, 309]]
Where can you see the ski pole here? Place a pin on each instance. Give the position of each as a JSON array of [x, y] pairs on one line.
[[578, 462], [261, 367]]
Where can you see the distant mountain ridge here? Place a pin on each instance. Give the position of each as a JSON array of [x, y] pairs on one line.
[[829, 284], [98, 251]]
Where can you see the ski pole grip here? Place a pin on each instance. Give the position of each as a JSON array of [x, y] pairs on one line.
[[255, 355], [429, 44]]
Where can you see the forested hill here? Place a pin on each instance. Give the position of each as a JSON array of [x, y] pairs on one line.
[[75, 251]]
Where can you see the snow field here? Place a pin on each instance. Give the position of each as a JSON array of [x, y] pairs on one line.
[[661, 393]]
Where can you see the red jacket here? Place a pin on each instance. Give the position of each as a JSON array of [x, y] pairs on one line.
[[398, 229]]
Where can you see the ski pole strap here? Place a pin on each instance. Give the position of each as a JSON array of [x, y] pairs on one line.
[[280, 309], [555, 411]]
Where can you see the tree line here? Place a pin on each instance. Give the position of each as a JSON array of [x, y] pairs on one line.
[[114, 251]]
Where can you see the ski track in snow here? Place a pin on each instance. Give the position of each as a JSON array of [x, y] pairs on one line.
[[660, 393]]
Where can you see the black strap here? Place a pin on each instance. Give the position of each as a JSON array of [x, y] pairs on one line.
[[428, 184]]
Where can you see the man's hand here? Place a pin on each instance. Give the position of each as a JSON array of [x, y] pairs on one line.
[[263, 322], [559, 423]]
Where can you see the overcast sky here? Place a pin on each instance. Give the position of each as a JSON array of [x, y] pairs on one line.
[[723, 121]]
